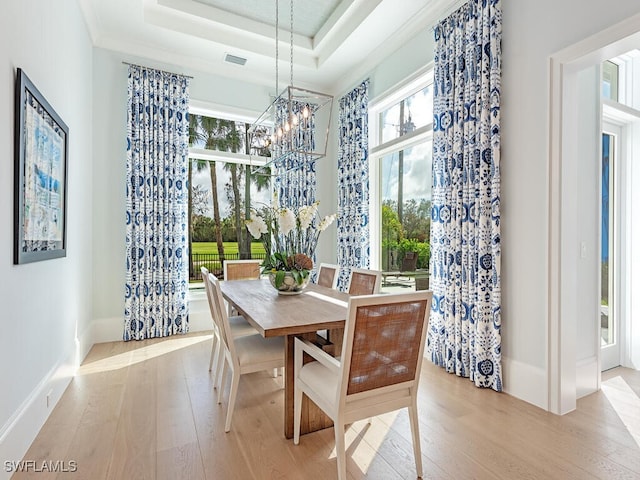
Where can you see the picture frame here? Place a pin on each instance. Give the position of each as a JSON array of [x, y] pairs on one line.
[[40, 176]]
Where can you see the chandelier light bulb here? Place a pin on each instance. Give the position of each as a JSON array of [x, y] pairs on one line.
[[294, 120], [305, 112], [286, 127]]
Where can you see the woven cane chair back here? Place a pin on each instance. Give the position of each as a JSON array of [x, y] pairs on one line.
[[242, 269], [364, 282]]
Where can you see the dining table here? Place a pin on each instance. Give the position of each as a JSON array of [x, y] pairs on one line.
[[316, 309]]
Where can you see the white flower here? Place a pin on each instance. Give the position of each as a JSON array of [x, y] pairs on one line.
[[286, 220], [325, 222], [256, 226], [306, 214]]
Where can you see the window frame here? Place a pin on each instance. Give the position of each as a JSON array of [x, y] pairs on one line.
[[226, 112], [377, 150]]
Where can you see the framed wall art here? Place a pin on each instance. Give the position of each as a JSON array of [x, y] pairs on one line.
[[40, 172]]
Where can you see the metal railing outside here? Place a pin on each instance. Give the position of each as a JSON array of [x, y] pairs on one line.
[[213, 263]]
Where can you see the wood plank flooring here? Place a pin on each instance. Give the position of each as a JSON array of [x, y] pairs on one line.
[[147, 410]]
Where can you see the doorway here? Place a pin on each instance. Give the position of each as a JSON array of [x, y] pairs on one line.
[[566, 297]]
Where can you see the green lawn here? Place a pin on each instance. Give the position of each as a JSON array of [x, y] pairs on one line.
[[229, 247]]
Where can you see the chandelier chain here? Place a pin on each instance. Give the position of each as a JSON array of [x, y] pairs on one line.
[[277, 15], [291, 43]]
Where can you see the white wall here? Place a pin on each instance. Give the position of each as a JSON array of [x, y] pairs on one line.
[[46, 306], [633, 239]]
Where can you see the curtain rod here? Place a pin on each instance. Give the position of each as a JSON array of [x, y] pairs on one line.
[[160, 70]]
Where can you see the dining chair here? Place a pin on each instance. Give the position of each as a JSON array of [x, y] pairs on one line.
[[244, 354], [328, 275], [240, 270], [364, 282], [238, 327], [378, 371]]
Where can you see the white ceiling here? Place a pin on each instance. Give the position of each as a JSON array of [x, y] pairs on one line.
[[309, 15], [332, 38]]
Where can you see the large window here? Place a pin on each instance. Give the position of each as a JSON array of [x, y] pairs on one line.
[[401, 126], [225, 182]]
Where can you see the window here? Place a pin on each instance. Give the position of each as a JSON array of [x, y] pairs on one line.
[[618, 76], [405, 116], [610, 80], [402, 126], [224, 185]]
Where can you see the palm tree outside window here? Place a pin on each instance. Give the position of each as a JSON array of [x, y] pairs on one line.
[[220, 195]]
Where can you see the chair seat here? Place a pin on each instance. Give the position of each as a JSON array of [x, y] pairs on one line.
[[257, 350], [321, 381], [240, 327]]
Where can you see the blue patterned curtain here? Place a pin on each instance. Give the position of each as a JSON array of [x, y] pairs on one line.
[[353, 182], [157, 276], [464, 329], [295, 181]]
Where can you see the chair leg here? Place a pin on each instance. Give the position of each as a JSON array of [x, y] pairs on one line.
[[297, 414], [341, 454], [235, 380], [215, 344], [415, 433], [223, 379], [219, 364]]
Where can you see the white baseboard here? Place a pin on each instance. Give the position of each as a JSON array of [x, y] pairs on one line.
[[110, 329], [525, 382], [18, 432], [199, 313]]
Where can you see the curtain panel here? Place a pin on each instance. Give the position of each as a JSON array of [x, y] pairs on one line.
[[353, 182], [464, 329], [295, 181], [157, 258]]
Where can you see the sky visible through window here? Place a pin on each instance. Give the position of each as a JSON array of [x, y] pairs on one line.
[[418, 112], [416, 169], [203, 180]]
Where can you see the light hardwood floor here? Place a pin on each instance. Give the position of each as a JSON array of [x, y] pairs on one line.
[[141, 410]]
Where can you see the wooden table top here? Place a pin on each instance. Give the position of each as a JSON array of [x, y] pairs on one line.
[[273, 315]]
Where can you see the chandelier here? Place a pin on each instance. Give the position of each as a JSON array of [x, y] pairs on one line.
[[296, 123]]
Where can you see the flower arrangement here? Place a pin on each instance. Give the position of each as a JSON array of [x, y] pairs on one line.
[[289, 238]]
